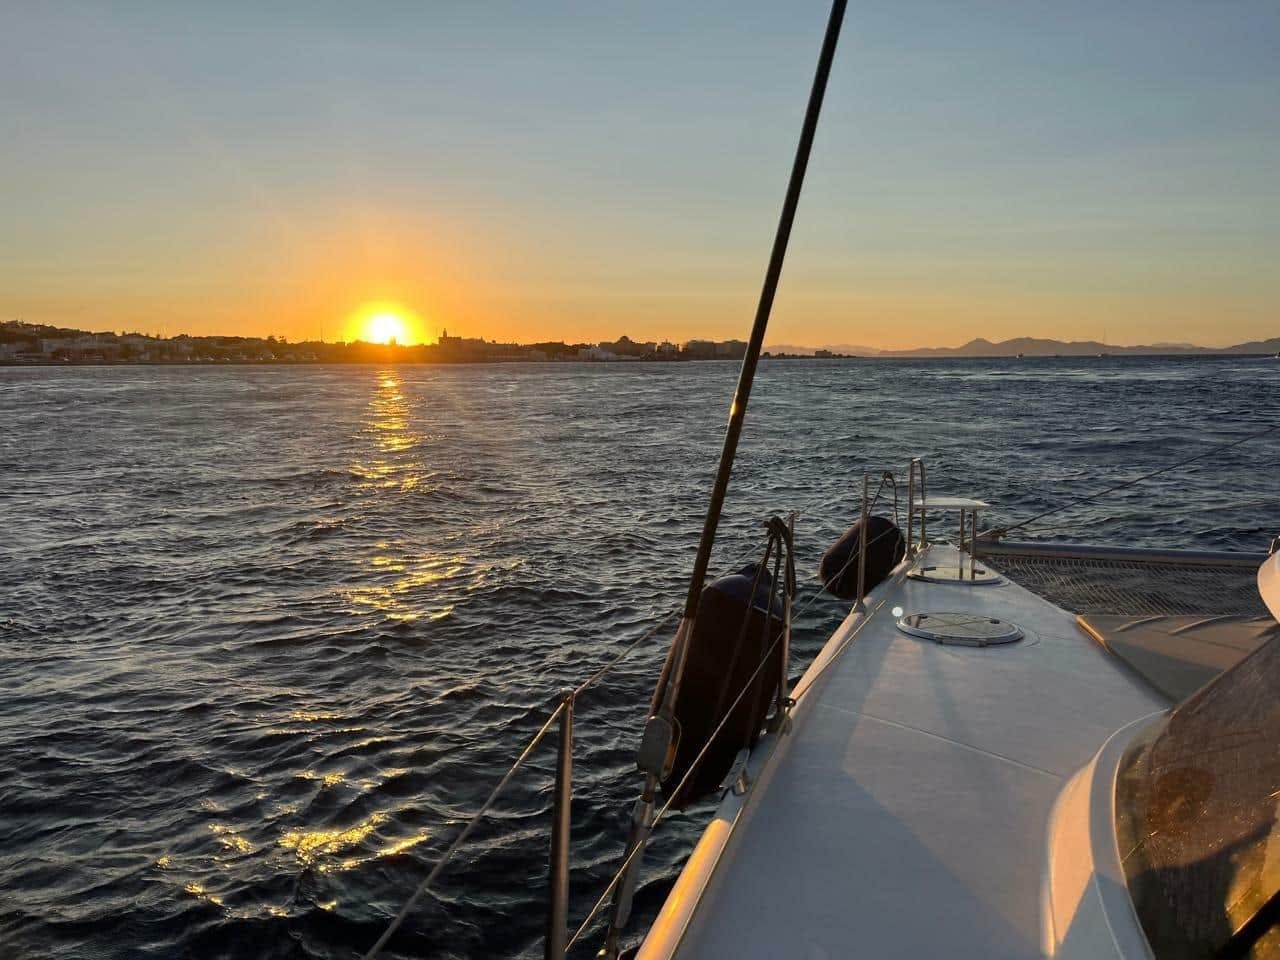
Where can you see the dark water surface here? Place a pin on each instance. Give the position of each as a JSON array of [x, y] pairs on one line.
[[269, 635]]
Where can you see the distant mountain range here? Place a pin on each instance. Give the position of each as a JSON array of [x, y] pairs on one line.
[[1036, 347]]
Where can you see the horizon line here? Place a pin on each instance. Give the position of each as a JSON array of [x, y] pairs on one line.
[[843, 346]]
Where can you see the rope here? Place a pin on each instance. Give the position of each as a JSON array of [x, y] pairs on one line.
[[458, 840], [1001, 531]]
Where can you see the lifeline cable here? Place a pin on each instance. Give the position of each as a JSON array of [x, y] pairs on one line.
[[1134, 481]]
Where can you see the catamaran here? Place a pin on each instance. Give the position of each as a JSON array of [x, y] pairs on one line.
[[1006, 749]]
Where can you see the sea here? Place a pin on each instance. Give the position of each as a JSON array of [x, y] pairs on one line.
[[269, 635]]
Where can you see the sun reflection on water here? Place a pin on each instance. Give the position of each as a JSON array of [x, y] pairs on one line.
[[307, 716], [326, 779], [320, 849], [197, 890], [310, 845], [230, 839], [398, 579], [389, 416], [407, 599]]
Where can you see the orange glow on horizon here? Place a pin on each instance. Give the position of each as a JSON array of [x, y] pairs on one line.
[[317, 279]]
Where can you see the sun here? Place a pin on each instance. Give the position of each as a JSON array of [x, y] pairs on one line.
[[385, 322], [386, 328]]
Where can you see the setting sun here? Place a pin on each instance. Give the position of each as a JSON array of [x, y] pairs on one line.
[[385, 328], [385, 323]]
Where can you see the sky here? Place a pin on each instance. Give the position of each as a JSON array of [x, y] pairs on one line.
[[531, 171]]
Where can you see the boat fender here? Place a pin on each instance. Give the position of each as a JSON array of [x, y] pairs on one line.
[[721, 659], [885, 550]]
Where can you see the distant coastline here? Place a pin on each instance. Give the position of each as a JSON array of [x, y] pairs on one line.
[[42, 345], [1038, 347], [25, 344]]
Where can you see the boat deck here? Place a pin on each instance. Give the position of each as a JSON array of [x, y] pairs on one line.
[[906, 814]]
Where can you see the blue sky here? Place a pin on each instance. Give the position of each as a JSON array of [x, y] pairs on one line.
[[554, 170]]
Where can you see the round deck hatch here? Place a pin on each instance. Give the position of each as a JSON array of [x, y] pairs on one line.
[[964, 629], [954, 573]]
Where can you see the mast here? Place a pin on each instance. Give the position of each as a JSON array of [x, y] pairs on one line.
[[658, 743]]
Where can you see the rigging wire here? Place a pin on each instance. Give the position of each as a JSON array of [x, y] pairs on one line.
[[466, 832], [400, 917], [675, 792], [501, 785], [1133, 481], [806, 510], [638, 849], [626, 651]]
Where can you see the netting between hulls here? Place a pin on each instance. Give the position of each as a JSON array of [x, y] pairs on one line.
[[1136, 587]]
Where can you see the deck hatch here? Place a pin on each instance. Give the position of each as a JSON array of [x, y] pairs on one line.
[[962, 629], [962, 572]]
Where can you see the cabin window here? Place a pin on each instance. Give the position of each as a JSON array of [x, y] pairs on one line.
[[1196, 817]]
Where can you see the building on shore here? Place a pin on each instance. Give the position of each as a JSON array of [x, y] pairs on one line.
[[731, 349], [698, 350], [461, 348]]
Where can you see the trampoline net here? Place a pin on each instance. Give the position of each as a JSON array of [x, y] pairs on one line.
[[1135, 587]]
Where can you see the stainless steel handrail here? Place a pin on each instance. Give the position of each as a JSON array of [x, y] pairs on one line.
[[911, 509], [912, 549], [862, 544]]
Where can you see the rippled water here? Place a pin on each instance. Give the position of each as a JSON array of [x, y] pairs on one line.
[[268, 635]]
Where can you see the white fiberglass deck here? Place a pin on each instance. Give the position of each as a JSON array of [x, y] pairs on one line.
[[906, 814]]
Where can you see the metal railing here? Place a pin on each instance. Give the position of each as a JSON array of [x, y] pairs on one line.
[[916, 465], [557, 939], [862, 543]]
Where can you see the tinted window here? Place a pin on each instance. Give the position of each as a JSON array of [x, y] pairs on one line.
[[1196, 810]]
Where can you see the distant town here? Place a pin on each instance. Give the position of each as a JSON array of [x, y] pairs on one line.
[[28, 343], [33, 343]]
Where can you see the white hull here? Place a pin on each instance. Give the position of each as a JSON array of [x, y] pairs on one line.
[[907, 811]]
